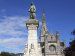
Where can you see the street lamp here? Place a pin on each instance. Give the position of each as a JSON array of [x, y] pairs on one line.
[[45, 36]]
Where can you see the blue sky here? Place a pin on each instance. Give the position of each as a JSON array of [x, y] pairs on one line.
[[60, 16]]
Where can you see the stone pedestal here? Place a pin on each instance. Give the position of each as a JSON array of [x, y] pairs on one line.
[[33, 48]]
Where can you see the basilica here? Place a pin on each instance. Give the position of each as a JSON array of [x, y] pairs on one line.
[[49, 44]]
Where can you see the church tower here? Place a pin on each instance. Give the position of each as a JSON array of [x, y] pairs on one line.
[[51, 45], [44, 28], [32, 25]]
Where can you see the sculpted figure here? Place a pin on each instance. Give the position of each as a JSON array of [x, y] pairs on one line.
[[32, 11]]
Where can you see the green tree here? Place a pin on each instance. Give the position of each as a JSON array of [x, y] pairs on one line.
[[5, 54], [70, 51]]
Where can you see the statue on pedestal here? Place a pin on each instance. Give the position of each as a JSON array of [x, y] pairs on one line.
[[32, 11]]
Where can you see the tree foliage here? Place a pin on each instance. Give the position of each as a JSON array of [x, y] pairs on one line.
[[70, 51], [7, 54]]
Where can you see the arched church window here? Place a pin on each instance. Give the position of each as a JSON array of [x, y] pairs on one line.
[[52, 48]]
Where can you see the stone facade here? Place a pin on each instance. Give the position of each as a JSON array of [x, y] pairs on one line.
[[51, 45]]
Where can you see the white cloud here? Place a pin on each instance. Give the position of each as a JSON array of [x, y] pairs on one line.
[[13, 33], [13, 26], [13, 44]]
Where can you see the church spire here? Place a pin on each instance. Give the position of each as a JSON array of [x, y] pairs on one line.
[[44, 21], [32, 11], [43, 17], [44, 28]]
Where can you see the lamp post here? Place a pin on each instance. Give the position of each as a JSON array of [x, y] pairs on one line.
[[45, 36]]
